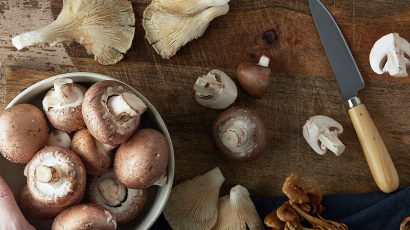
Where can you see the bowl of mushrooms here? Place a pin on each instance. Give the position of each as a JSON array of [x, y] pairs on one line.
[[83, 149]]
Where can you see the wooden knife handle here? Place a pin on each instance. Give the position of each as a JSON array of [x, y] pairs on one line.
[[377, 156]]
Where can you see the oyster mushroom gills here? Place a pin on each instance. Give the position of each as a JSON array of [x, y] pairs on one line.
[[104, 27], [240, 134], [142, 161], [112, 112], [59, 138], [124, 203], [215, 90], [254, 78], [85, 216], [23, 132]]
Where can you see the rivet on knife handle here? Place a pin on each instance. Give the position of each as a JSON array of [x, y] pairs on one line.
[[376, 153]]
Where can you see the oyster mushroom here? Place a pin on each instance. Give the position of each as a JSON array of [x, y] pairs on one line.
[[112, 112], [104, 27], [240, 134], [85, 216], [215, 90], [322, 133], [56, 177], [59, 138], [390, 54], [23, 132], [193, 204], [62, 105], [189, 7], [142, 161], [95, 155], [124, 203], [253, 78]]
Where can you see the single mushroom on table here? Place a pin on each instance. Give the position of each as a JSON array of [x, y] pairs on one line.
[[124, 203], [85, 216], [391, 53], [112, 112], [322, 133], [142, 161], [254, 78], [240, 134], [104, 27], [215, 90], [23, 132], [59, 138]]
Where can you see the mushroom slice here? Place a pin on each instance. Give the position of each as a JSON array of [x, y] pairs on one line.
[[240, 134], [193, 204], [253, 78], [293, 189], [59, 138], [124, 203], [142, 161], [56, 177], [104, 27], [322, 133], [189, 7], [167, 32], [62, 105], [23, 132], [95, 155], [112, 112], [85, 216], [237, 211], [390, 54], [215, 90]]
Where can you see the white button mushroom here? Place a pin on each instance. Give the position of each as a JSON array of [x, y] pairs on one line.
[[59, 138], [322, 133], [215, 90], [390, 54]]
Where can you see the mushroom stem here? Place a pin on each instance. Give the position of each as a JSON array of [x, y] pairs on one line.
[[235, 135], [396, 63], [331, 142], [207, 85], [113, 192], [46, 174], [264, 61], [65, 91], [126, 104]]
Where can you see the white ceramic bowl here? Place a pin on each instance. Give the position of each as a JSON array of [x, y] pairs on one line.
[[158, 196]]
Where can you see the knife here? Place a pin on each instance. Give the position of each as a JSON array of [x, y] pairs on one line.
[[350, 82]]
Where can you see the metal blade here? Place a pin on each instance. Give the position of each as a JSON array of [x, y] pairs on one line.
[[338, 53]]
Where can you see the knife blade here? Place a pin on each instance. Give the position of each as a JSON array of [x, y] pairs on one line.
[[350, 82]]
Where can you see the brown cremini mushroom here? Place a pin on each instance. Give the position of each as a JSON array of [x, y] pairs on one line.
[[254, 78], [95, 155], [142, 161], [240, 134], [293, 190], [124, 203], [85, 216], [59, 138], [112, 112], [23, 132]]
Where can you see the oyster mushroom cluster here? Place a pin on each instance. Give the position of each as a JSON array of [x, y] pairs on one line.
[[95, 147]]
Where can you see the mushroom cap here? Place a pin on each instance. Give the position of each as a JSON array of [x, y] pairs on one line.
[[102, 124], [69, 188], [142, 160], [256, 139], [23, 132], [95, 155], [85, 216], [293, 189], [59, 138], [189, 7], [126, 210], [286, 213], [253, 78], [272, 221], [405, 223]]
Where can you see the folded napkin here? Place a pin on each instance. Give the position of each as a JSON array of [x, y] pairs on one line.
[[370, 211]]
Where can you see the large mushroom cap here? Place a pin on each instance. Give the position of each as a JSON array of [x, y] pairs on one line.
[[23, 132], [85, 216], [142, 160], [112, 112], [56, 177]]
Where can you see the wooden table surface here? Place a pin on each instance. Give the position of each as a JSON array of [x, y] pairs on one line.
[[302, 85]]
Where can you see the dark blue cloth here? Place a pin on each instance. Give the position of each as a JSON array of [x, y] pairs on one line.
[[370, 211]]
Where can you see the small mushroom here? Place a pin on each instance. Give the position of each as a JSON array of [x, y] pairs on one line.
[[59, 138], [405, 224], [112, 112], [23, 132], [272, 221], [287, 214], [237, 211], [142, 161], [322, 133], [85, 216], [124, 203], [253, 78], [293, 190], [215, 90], [390, 54], [189, 7], [56, 177], [95, 155], [62, 105], [104, 27], [240, 134], [193, 204]]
